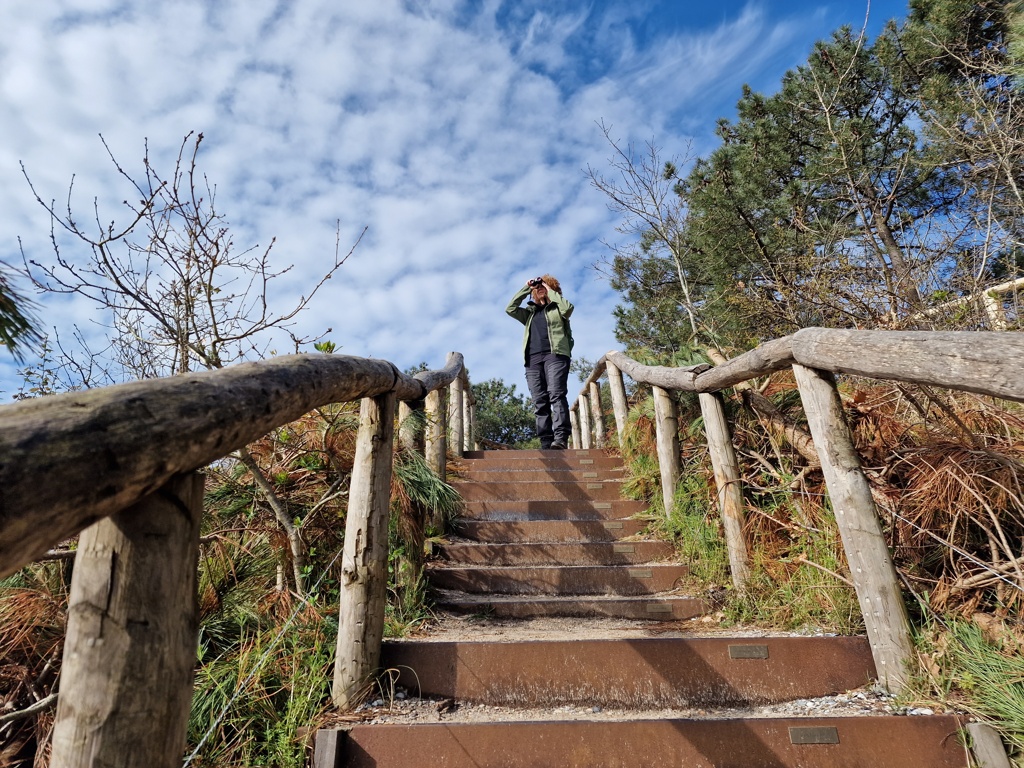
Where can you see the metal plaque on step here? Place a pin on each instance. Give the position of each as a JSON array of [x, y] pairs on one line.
[[659, 608], [594, 486], [613, 526], [602, 505], [623, 549], [590, 474], [640, 573], [748, 651], [586, 461], [814, 735]]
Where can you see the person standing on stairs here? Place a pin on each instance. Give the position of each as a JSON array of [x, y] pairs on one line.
[[547, 349]]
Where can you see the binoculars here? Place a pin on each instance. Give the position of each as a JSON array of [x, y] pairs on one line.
[[536, 282]]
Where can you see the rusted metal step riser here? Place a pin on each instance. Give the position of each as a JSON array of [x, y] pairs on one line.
[[562, 462], [547, 476], [549, 530], [641, 672], [537, 453], [535, 606], [625, 553], [615, 509], [866, 742], [568, 580], [539, 491]]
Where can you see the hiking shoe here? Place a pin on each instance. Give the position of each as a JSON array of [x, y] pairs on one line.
[[558, 445]]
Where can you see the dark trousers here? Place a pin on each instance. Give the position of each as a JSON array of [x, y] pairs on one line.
[[547, 377]]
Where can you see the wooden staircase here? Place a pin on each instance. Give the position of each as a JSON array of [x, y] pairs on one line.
[[546, 534]]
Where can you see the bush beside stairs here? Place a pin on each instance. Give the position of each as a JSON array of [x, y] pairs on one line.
[[547, 534]]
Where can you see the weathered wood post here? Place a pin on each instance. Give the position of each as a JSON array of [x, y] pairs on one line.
[[596, 413], [585, 421], [467, 417], [364, 563], [727, 479], [130, 651], [410, 426], [435, 448], [574, 424], [618, 392], [666, 421], [456, 426], [874, 575]]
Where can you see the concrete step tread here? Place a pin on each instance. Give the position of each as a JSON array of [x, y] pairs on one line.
[[823, 742]]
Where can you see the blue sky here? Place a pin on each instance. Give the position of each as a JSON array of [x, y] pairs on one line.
[[456, 132]]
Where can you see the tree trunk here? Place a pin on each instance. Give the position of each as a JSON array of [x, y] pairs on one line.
[[295, 543]]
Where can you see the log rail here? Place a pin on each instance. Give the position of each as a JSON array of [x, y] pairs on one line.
[[119, 465], [985, 363]]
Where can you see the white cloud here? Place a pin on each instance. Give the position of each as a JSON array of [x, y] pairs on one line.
[[456, 131]]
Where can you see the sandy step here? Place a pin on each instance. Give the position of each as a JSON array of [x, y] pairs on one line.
[[501, 460], [539, 490], [638, 672], [496, 509], [549, 530], [561, 475], [571, 553], [559, 580], [642, 607]]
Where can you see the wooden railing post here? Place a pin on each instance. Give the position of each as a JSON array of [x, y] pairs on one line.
[[666, 421], [584, 422], [467, 417], [618, 392], [436, 449], [574, 425], [410, 425], [871, 567], [596, 413], [727, 479], [130, 651], [364, 564], [455, 421]]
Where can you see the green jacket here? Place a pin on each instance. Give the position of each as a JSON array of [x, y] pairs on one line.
[[558, 312]]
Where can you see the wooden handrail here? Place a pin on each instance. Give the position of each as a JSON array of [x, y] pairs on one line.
[[986, 363], [69, 460]]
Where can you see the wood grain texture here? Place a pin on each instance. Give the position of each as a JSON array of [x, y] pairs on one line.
[[618, 392], [364, 567], [871, 567], [130, 651], [666, 418], [586, 424], [69, 460], [727, 479], [596, 413], [764, 359], [658, 375], [987, 363]]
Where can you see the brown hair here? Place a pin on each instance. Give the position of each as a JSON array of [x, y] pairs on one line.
[[552, 282]]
